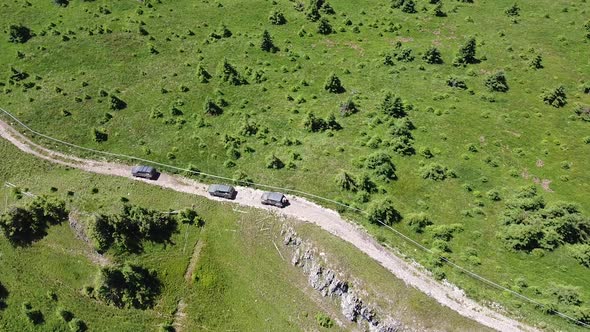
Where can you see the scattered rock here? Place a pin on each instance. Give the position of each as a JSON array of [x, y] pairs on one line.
[[327, 282]]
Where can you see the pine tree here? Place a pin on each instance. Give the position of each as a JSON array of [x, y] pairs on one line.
[[497, 82], [324, 27], [536, 62], [228, 73], [333, 84], [211, 108], [345, 181], [277, 18], [432, 56], [267, 45], [313, 10], [466, 54], [409, 7], [202, 74], [437, 10], [393, 106]]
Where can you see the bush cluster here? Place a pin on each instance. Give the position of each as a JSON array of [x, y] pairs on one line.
[[34, 316], [402, 140], [554, 97], [129, 286], [24, 225], [456, 82], [313, 124], [582, 112], [19, 33], [418, 221], [528, 224], [436, 172], [128, 229]]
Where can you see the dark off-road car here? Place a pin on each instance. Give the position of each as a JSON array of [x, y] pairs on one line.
[[276, 199], [146, 172], [222, 190]]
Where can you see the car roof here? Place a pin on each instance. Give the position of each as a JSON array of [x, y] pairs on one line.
[[143, 169], [220, 187], [274, 196]]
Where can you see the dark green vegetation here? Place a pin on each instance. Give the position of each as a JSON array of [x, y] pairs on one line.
[[24, 225], [494, 97], [239, 282], [129, 228]]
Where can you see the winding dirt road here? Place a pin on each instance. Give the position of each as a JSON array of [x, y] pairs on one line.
[[302, 209]]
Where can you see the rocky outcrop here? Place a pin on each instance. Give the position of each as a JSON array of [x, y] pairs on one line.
[[330, 283]]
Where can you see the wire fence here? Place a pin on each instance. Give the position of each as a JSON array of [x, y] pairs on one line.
[[306, 194]]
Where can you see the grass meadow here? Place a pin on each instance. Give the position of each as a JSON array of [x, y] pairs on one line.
[[240, 281], [493, 141]]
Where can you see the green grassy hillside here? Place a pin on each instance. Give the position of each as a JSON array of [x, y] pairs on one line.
[[152, 57], [239, 281]]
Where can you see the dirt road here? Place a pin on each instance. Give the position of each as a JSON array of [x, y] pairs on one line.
[[302, 209]]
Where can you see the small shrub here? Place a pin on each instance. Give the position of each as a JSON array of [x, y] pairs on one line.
[[512, 11], [19, 33], [536, 62], [348, 107], [202, 74], [437, 10], [211, 108], [556, 97], [99, 135], [116, 103], [418, 221], [324, 321], [493, 195], [345, 181], [455, 82], [314, 124], [381, 165], [581, 252], [333, 84], [435, 172], [65, 314], [432, 56], [383, 212], [228, 73], [444, 232], [77, 325], [409, 6], [324, 27], [404, 55], [497, 82], [582, 112], [274, 162], [277, 18], [566, 294], [425, 152]]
